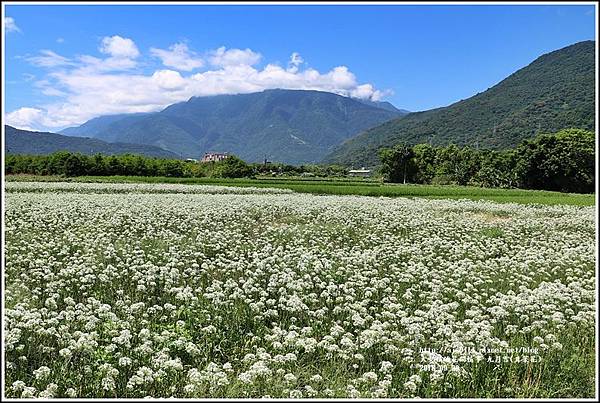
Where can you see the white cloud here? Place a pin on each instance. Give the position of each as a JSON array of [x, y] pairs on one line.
[[10, 25], [234, 57], [88, 86], [178, 57], [119, 47], [48, 89], [94, 64], [48, 58], [122, 53], [366, 91], [60, 40], [168, 79], [295, 61], [53, 92], [25, 118]]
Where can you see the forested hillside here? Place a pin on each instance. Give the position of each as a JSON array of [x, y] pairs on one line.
[[555, 92]]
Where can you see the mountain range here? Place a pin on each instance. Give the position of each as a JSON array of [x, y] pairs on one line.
[[554, 92], [291, 126], [40, 143]]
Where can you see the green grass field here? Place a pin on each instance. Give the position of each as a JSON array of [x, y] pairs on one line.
[[360, 187]]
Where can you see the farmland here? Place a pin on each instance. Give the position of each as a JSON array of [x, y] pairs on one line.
[[345, 186], [172, 290]]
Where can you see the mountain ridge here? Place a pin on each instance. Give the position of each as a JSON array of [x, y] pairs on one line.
[[19, 141], [383, 105], [554, 92], [291, 126], [93, 126]]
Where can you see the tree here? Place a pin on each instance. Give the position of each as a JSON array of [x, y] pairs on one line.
[[397, 163], [114, 166], [232, 167], [56, 162], [446, 164], [467, 165], [497, 169], [563, 161], [74, 165], [424, 162], [97, 165], [171, 168]]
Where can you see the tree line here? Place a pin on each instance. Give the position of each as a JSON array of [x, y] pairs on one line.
[[75, 164], [562, 161], [65, 163]]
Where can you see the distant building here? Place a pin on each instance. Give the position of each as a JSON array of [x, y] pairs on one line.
[[191, 160], [214, 157], [360, 172]]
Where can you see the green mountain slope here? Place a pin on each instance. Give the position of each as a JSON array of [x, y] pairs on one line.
[[92, 127], [292, 126], [39, 143], [554, 92]]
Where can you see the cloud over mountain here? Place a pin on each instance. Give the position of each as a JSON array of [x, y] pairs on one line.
[[121, 80]]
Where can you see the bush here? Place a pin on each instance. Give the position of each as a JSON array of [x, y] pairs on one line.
[[232, 167], [563, 161]]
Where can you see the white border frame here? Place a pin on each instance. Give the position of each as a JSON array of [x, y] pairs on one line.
[[297, 4]]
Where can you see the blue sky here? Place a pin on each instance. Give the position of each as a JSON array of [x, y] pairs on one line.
[[66, 64]]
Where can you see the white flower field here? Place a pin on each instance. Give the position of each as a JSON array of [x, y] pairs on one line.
[[192, 291]]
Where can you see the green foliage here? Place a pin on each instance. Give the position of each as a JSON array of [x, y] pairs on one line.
[[172, 168], [457, 164], [74, 165], [560, 162], [68, 164], [497, 169], [398, 163], [232, 167], [424, 157], [555, 92], [563, 162]]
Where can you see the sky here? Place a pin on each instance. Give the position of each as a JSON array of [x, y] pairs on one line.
[[66, 64]]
